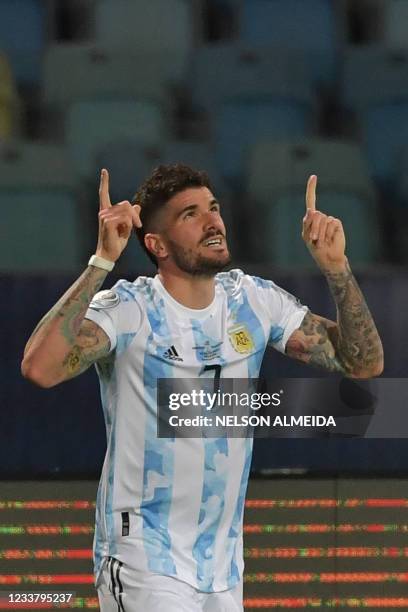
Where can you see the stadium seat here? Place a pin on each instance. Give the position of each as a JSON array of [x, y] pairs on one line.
[[99, 72], [385, 132], [277, 177], [40, 227], [223, 71], [248, 94], [308, 27], [395, 24], [22, 37], [92, 125], [38, 165], [164, 27], [380, 104], [40, 231], [238, 124], [359, 89]]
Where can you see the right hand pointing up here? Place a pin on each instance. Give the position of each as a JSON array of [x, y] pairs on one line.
[[115, 222]]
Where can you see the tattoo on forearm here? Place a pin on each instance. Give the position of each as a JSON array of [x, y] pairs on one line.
[[72, 312], [69, 311], [352, 346], [358, 345]]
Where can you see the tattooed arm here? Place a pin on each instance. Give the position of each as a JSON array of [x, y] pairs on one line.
[[64, 344], [351, 346]]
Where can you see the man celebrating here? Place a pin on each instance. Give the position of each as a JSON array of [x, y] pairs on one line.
[[169, 511]]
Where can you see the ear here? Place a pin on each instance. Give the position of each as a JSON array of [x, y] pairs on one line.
[[155, 245]]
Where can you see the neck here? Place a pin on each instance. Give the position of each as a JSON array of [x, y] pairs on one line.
[[190, 291]]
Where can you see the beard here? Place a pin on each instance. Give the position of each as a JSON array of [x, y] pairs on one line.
[[198, 265]]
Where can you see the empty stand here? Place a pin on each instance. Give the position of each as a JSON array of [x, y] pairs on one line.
[[164, 27], [277, 177], [375, 88], [294, 24], [92, 125], [81, 71], [23, 37], [249, 94], [40, 227]]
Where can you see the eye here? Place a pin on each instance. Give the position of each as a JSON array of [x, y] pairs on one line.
[[215, 208]]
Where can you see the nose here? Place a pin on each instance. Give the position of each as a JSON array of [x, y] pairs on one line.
[[210, 222]]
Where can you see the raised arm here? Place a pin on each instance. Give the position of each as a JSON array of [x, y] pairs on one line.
[[351, 345], [64, 343]]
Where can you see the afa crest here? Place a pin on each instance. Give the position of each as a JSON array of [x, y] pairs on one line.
[[240, 338]]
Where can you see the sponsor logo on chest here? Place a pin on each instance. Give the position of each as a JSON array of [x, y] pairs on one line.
[[172, 354]]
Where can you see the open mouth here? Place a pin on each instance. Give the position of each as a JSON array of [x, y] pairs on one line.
[[214, 242]]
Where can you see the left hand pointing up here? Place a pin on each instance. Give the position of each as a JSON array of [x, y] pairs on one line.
[[323, 235]]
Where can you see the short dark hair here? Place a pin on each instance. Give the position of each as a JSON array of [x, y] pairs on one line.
[[164, 182]]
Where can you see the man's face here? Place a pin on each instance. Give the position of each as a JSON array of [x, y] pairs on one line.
[[194, 232]]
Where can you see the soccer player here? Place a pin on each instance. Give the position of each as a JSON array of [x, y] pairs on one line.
[[169, 510]]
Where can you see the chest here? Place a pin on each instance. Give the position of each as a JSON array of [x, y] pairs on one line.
[[190, 346]]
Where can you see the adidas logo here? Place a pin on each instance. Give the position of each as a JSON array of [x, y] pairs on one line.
[[171, 353]]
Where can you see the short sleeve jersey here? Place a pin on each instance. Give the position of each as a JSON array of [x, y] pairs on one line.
[[182, 498]]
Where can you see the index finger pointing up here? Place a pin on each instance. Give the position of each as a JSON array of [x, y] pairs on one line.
[[311, 193], [104, 199]]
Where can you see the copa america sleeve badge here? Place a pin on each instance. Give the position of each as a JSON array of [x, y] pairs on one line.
[[105, 299]]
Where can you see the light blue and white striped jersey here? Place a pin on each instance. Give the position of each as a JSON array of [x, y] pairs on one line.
[[174, 506]]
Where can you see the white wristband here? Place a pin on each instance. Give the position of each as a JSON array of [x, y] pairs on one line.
[[100, 262]]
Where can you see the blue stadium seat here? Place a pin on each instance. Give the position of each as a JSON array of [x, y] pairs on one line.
[[22, 37], [277, 176], [25, 164], [129, 163], [223, 71], [164, 27], [359, 89], [395, 24], [99, 72], [92, 125], [40, 229], [248, 94], [286, 248], [385, 134], [380, 104], [238, 124], [309, 27]]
